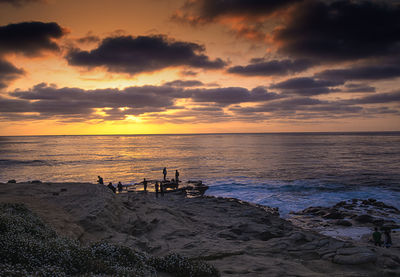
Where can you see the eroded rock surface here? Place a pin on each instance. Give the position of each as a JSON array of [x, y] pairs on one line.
[[239, 238]]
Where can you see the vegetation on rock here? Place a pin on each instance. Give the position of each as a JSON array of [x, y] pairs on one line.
[[28, 247]]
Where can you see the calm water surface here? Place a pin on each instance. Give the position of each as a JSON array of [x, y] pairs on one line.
[[290, 171]]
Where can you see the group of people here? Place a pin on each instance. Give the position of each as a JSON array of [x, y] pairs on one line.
[[176, 180], [158, 187], [377, 237], [110, 185]]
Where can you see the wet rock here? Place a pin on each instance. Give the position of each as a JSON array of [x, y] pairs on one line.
[[341, 204], [312, 210], [343, 222], [36, 182], [365, 202], [364, 218], [334, 215], [11, 181]]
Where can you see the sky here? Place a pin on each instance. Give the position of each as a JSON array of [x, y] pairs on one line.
[[198, 66]]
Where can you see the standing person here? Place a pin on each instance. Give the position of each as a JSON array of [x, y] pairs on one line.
[[388, 238], [119, 186], [177, 177], [156, 188], [111, 187], [377, 237], [144, 184], [165, 173], [100, 180]]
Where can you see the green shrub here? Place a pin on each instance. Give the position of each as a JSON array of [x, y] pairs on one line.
[[30, 248], [183, 267]]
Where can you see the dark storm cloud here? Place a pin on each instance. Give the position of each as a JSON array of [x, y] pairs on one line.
[[341, 30], [323, 30], [203, 11], [232, 95], [269, 68], [367, 72], [307, 86], [19, 3], [184, 83], [8, 72], [133, 55], [29, 38]]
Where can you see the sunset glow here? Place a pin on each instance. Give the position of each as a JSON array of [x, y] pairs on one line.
[[176, 66]]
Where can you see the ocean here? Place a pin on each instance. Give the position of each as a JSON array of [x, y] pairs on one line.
[[291, 171]]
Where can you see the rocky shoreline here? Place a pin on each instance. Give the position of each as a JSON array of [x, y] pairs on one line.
[[238, 238], [349, 220]]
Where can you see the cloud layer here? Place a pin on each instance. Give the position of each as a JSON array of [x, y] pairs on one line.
[[134, 55], [151, 103], [29, 38], [8, 72], [272, 67]]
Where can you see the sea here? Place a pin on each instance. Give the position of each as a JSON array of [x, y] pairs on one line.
[[290, 171]]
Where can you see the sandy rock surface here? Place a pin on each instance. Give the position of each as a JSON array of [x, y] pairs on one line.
[[240, 239]]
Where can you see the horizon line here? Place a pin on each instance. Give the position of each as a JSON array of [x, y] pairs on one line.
[[215, 133]]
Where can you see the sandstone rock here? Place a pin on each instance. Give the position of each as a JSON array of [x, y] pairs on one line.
[[356, 258], [267, 235], [352, 250]]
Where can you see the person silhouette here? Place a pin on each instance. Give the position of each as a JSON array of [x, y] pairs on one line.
[[144, 184], [377, 237], [165, 173], [100, 180], [119, 186], [388, 238], [156, 188], [111, 187], [177, 177]]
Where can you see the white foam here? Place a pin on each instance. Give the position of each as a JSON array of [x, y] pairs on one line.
[[297, 195]]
